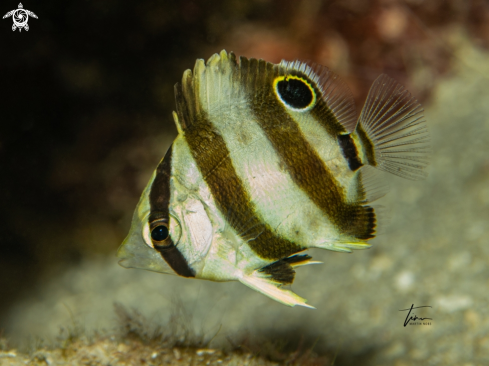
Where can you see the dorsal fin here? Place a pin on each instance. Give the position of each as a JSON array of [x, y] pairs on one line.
[[189, 94], [335, 92]]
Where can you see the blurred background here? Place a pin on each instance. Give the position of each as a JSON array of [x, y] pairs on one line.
[[86, 101]]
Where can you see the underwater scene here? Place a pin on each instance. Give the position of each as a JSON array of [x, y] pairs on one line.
[[244, 182]]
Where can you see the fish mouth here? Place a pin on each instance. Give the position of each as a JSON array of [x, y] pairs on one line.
[[124, 259], [123, 263], [124, 255], [135, 253]]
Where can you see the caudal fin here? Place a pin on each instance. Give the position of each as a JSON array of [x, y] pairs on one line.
[[393, 131]]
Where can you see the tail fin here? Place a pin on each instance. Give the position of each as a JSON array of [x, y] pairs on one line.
[[393, 131]]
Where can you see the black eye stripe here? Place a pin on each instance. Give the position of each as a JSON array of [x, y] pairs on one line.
[[159, 200], [295, 93], [159, 196]]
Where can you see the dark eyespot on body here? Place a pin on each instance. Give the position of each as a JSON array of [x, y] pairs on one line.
[[295, 93]]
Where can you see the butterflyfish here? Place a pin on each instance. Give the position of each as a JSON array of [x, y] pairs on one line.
[[270, 160]]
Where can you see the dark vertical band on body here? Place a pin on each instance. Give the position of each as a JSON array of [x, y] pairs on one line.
[[349, 151], [212, 157], [159, 201], [367, 145]]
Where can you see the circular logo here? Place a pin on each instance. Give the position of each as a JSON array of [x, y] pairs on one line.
[[20, 18]]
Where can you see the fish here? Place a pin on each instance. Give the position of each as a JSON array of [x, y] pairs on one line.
[[270, 160]]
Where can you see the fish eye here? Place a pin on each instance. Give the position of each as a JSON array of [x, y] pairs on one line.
[[295, 92], [156, 231], [160, 233]]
